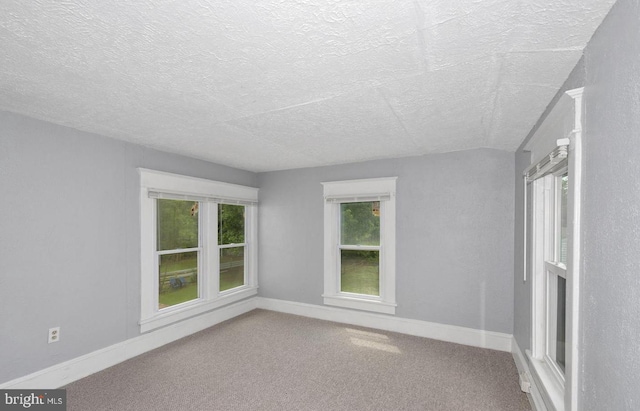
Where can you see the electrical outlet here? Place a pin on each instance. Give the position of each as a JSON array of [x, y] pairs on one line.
[[54, 334]]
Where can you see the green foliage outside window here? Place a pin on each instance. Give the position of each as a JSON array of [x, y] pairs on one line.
[[358, 224], [359, 269], [177, 228], [230, 224]]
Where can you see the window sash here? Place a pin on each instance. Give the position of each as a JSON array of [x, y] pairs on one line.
[[227, 246], [231, 245], [547, 270], [198, 279], [553, 270], [178, 251], [551, 309], [380, 228], [359, 247], [160, 253], [245, 261], [380, 273]]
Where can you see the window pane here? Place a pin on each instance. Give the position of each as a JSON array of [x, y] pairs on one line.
[[231, 268], [562, 243], [178, 278], [177, 224], [561, 312], [360, 223], [230, 224], [360, 272], [557, 303]]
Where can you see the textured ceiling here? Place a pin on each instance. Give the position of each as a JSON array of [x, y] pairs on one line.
[[280, 84]]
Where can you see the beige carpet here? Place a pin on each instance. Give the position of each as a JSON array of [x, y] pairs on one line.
[[265, 360]]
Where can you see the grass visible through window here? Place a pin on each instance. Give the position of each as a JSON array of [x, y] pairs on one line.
[[231, 278], [178, 278], [179, 295], [360, 272]]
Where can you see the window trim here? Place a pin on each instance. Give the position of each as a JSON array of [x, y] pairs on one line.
[[335, 193], [565, 122], [210, 193]]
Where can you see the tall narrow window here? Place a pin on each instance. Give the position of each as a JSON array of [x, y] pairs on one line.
[[556, 188], [231, 245], [359, 248], [550, 277], [552, 243], [178, 250]]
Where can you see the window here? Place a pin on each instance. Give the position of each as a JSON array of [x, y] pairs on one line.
[[198, 242], [231, 246], [554, 244], [550, 197], [359, 224], [549, 281], [178, 252], [359, 247]]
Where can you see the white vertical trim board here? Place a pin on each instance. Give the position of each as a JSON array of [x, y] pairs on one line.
[[573, 283], [534, 396], [451, 333], [80, 367]]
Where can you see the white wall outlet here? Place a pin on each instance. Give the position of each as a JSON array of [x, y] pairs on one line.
[[54, 334]]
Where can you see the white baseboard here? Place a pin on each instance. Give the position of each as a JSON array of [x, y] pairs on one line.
[[80, 367], [64, 373], [535, 398], [451, 333]]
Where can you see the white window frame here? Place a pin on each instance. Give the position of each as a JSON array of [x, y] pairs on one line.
[[559, 390], [221, 247], [545, 266], [335, 193], [210, 193]]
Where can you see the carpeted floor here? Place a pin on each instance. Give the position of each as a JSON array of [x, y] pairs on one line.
[[265, 360]]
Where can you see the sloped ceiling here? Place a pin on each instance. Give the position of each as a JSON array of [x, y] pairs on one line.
[[280, 84]]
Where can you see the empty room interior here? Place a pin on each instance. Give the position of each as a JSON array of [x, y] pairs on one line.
[[408, 204]]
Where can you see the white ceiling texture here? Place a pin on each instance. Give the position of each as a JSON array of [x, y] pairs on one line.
[[280, 84]]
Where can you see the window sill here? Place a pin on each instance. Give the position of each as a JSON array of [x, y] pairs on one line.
[[170, 316], [360, 304], [550, 388]]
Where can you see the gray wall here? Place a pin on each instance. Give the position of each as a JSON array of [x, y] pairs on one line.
[[610, 277], [611, 215], [454, 235], [69, 239]]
